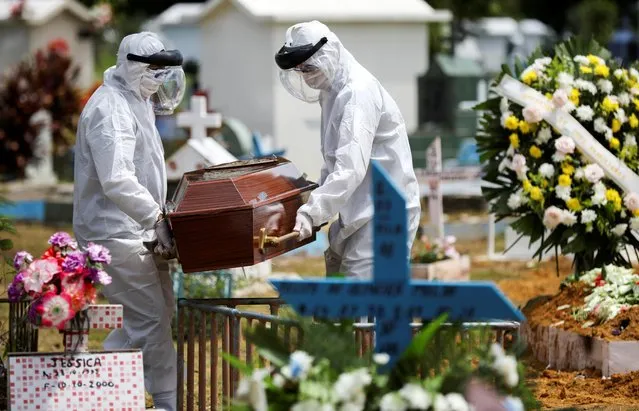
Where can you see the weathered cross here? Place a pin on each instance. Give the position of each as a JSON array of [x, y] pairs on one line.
[[435, 200], [198, 119], [391, 297]]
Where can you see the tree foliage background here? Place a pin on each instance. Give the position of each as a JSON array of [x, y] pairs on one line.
[[589, 18]]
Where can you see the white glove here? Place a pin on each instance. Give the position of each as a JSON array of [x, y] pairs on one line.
[[304, 226]]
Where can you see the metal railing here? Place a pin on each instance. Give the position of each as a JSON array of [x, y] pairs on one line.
[[23, 336], [208, 328]]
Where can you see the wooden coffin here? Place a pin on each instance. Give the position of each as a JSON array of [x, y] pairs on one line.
[[237, 214]]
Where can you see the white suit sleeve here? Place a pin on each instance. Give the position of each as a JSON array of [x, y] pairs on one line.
[[112, 143], [355, 141], [323, 174]]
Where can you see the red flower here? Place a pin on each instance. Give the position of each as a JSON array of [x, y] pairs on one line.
[[16, 9], [599, 281], [58, 46]]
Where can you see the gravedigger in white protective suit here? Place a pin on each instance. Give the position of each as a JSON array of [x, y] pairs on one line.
[[119, 196], [360, 122]]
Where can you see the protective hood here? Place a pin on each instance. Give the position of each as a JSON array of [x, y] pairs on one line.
[[312, 60], [126, 74]]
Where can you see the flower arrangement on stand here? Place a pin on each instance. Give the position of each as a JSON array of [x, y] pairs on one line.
[[540, 177], [62, 283], [325, 373], [438, 260]]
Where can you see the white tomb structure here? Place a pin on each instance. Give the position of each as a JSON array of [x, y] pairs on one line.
[[388, 37], [179, 29], [43, 21]]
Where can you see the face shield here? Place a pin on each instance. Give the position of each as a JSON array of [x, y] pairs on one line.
[[301, 71], [164, 81]]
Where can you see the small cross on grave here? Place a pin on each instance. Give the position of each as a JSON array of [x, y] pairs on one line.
[[435, 198], [198, 120], [391, 297], [100, 316]]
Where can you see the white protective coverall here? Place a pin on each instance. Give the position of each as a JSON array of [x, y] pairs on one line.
[[120, 187], [360, 122]]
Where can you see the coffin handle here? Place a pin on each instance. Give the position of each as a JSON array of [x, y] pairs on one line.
[[273, 241]]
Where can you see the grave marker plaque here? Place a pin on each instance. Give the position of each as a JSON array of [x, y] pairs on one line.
[[86, 381]]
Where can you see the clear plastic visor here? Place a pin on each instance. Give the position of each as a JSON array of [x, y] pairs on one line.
[[304, 82], [171, 90]]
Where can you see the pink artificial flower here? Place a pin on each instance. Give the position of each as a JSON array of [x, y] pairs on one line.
[[104, 278], [39, 273], [72, 284], [55, 310]]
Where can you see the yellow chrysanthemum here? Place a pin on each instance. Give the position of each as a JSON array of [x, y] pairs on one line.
[[536, 194], [548, 96], [564, 180], [511, 123], [514, 140], [635, 212], [527, 186], [602, 70], [544, 183], [609, 105], [613, 196], [593, 59], [535, 152], [529, 77], [614, 143], [573, 204], [636, 103], [585, 69], [633, 121], [616, 125], [567, 169], [574, 97], [525, 127]]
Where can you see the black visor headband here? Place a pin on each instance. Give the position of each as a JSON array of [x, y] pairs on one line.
[[163, 58], [289, 57]]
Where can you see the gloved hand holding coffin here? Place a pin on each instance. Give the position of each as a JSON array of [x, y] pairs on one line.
[[163, 243], [238, 214]]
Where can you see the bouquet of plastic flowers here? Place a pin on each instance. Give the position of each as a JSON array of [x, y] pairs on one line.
[[425, 252], [540, 177], [62, 282]]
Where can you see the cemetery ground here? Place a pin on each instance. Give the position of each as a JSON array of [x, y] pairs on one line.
[[520, 281]]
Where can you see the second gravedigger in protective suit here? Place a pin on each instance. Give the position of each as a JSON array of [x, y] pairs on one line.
[[360, 122], [120, 192]]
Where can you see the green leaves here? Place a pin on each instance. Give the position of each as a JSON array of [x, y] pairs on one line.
[[6, 244], [237, 363]]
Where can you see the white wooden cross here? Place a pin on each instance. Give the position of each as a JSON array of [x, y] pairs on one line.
[[198, 119], [435, 198]]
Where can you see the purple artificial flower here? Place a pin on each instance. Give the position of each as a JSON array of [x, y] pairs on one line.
[[74, 261], [98, 254], [33, 315], [22, 259], [63, 240], [16, 288], [93, 274], [104, 278]]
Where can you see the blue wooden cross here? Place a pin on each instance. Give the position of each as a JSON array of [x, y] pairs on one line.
[[391, 297]]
